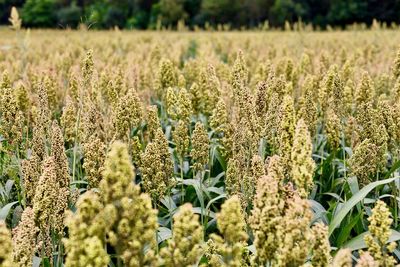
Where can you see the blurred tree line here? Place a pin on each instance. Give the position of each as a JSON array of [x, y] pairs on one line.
[[144, 14]]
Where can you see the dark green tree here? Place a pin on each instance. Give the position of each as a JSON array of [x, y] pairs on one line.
[[39, 13]]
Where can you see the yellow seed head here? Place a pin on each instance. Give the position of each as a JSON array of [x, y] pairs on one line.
[[118, 173], [14, 19], [153, 123], [321, 247], [85, 244], [69, 120], [302, 163], [185, 246], [200, 146], [180, 135], [24, 239], [343, 258], [93, 162], [379, 233], [157, 167], [6, 259]]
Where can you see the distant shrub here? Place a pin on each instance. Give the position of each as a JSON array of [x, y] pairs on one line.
[[69, 16]]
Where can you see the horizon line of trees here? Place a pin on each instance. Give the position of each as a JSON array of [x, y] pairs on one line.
[[151, 14]]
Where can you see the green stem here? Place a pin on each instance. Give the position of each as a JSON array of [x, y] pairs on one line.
[[75, 145], [182, 186]]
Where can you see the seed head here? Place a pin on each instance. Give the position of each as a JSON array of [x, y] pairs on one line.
[[69, 120], [396, 65], [85, 243], [302, 163], [181, 137], [333, 129], [157, 167], [118, 173], [14, 19], [379, 233], [185, 246], [153, 123], [343, 258], [87, 68], [6, 259], [200, 146], [266, 218], [366, 260], [93, 162], [127, 115], [167, 76], [286, 130], [24, 239], [321, 247]]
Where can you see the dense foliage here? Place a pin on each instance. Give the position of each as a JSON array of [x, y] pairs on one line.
[[209, 149], [235, 13]]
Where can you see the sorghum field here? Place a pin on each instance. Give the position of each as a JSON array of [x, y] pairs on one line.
[[258, 148]]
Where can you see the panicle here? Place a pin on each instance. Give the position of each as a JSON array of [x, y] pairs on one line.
[[230, 249], [118, 173], [308, 109], [128, 114], [294, 244], [14, 19], [85, 243], [11, 117], [60, 158], [231, 221], [321, 247], [46, 195], [266, 217], [69, 120], [209, 87], [6, 258], [301, 157], [365, 90], [24, 239], [200, 146], [179, 106], [396, 65], [185, 247], [286, 130], [130, 221], [366, 260], [167, 76], [239, 76], [157, 167], [93, 162], [87, 68], [153, 123], [43, 119], [22, 99], [330, 84], [379, 233], [342, 258], [333, 129], [180, 135], [363, 161]]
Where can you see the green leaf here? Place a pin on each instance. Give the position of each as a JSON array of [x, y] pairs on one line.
[[395, 166], [346, 229], [319, 211], [6, 209], [36, 261], [359, 196], [215, 199], [198, 210], [163, 234], [358, 242]]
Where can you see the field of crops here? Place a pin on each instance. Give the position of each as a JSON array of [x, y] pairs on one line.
[[125, 148]]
